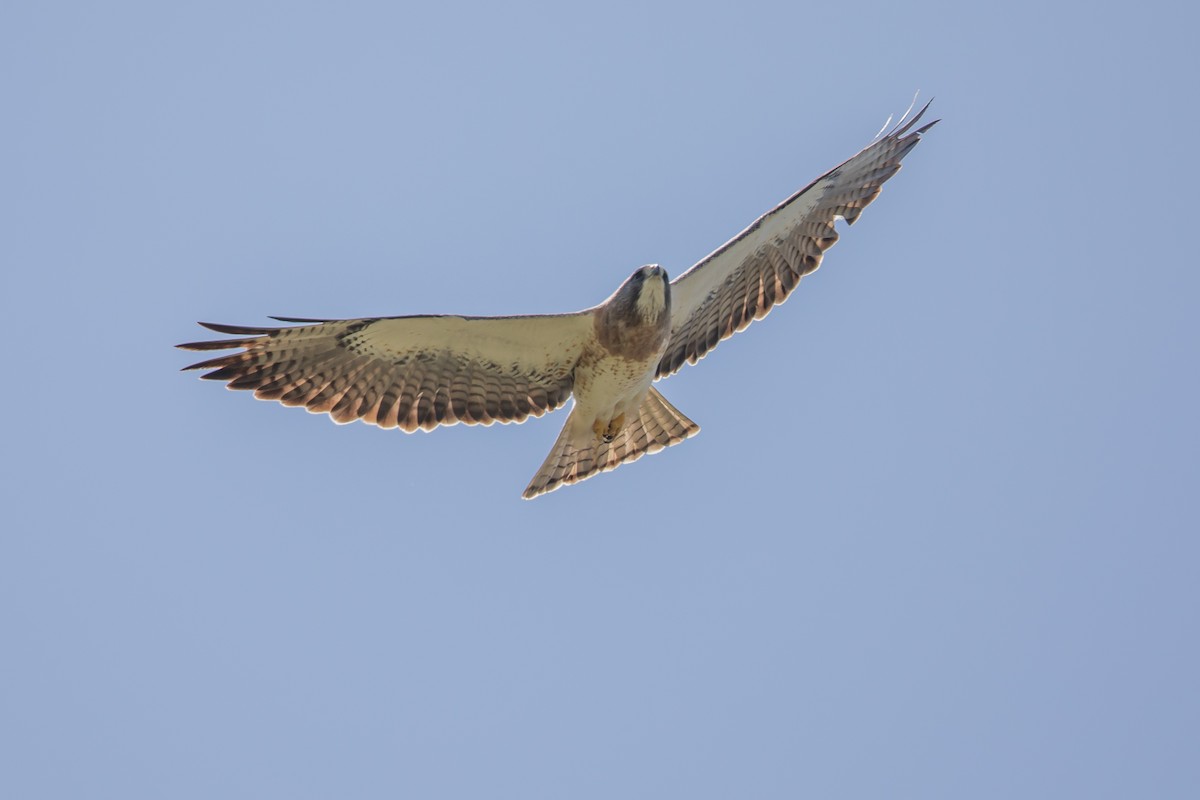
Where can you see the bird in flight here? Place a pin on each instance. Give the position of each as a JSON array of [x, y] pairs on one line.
[[424, 371]]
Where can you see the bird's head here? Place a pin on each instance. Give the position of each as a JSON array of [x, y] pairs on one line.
[[646, 294]]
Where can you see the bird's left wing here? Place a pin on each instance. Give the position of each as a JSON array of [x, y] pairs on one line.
[[759, 267], [407, 372]]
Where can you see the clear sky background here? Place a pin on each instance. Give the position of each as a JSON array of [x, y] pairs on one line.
[[937, 539]]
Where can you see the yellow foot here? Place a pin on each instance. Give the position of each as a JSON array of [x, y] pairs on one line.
[[614, 428], [606, 433]]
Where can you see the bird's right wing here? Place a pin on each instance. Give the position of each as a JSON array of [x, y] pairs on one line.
[[407, 372]]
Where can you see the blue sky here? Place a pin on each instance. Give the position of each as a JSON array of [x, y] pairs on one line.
[[938, 537]]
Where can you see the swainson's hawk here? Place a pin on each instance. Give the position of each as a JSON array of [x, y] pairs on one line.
[[425, 371]]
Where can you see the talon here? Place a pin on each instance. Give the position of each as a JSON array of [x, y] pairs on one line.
[[607, 433]]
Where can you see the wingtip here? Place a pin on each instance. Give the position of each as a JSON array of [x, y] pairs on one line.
[[237, 330], [301, 320], [531, 493], [906, 122]]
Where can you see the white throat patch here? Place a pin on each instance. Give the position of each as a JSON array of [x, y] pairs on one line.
[[651, 300]]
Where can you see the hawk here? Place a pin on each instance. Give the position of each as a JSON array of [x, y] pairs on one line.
[[419, 372]]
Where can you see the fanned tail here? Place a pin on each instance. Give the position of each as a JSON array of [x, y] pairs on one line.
[[577, 453]]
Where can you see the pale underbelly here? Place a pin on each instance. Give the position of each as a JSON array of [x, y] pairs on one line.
[[611, 387]]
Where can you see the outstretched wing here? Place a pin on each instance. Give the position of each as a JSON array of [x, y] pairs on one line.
[[407, 372], [759, 267]]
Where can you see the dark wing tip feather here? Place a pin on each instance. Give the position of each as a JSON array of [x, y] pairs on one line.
[[237, 330], [905, 123], [251, 336], [218, 344], [213, 363]]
